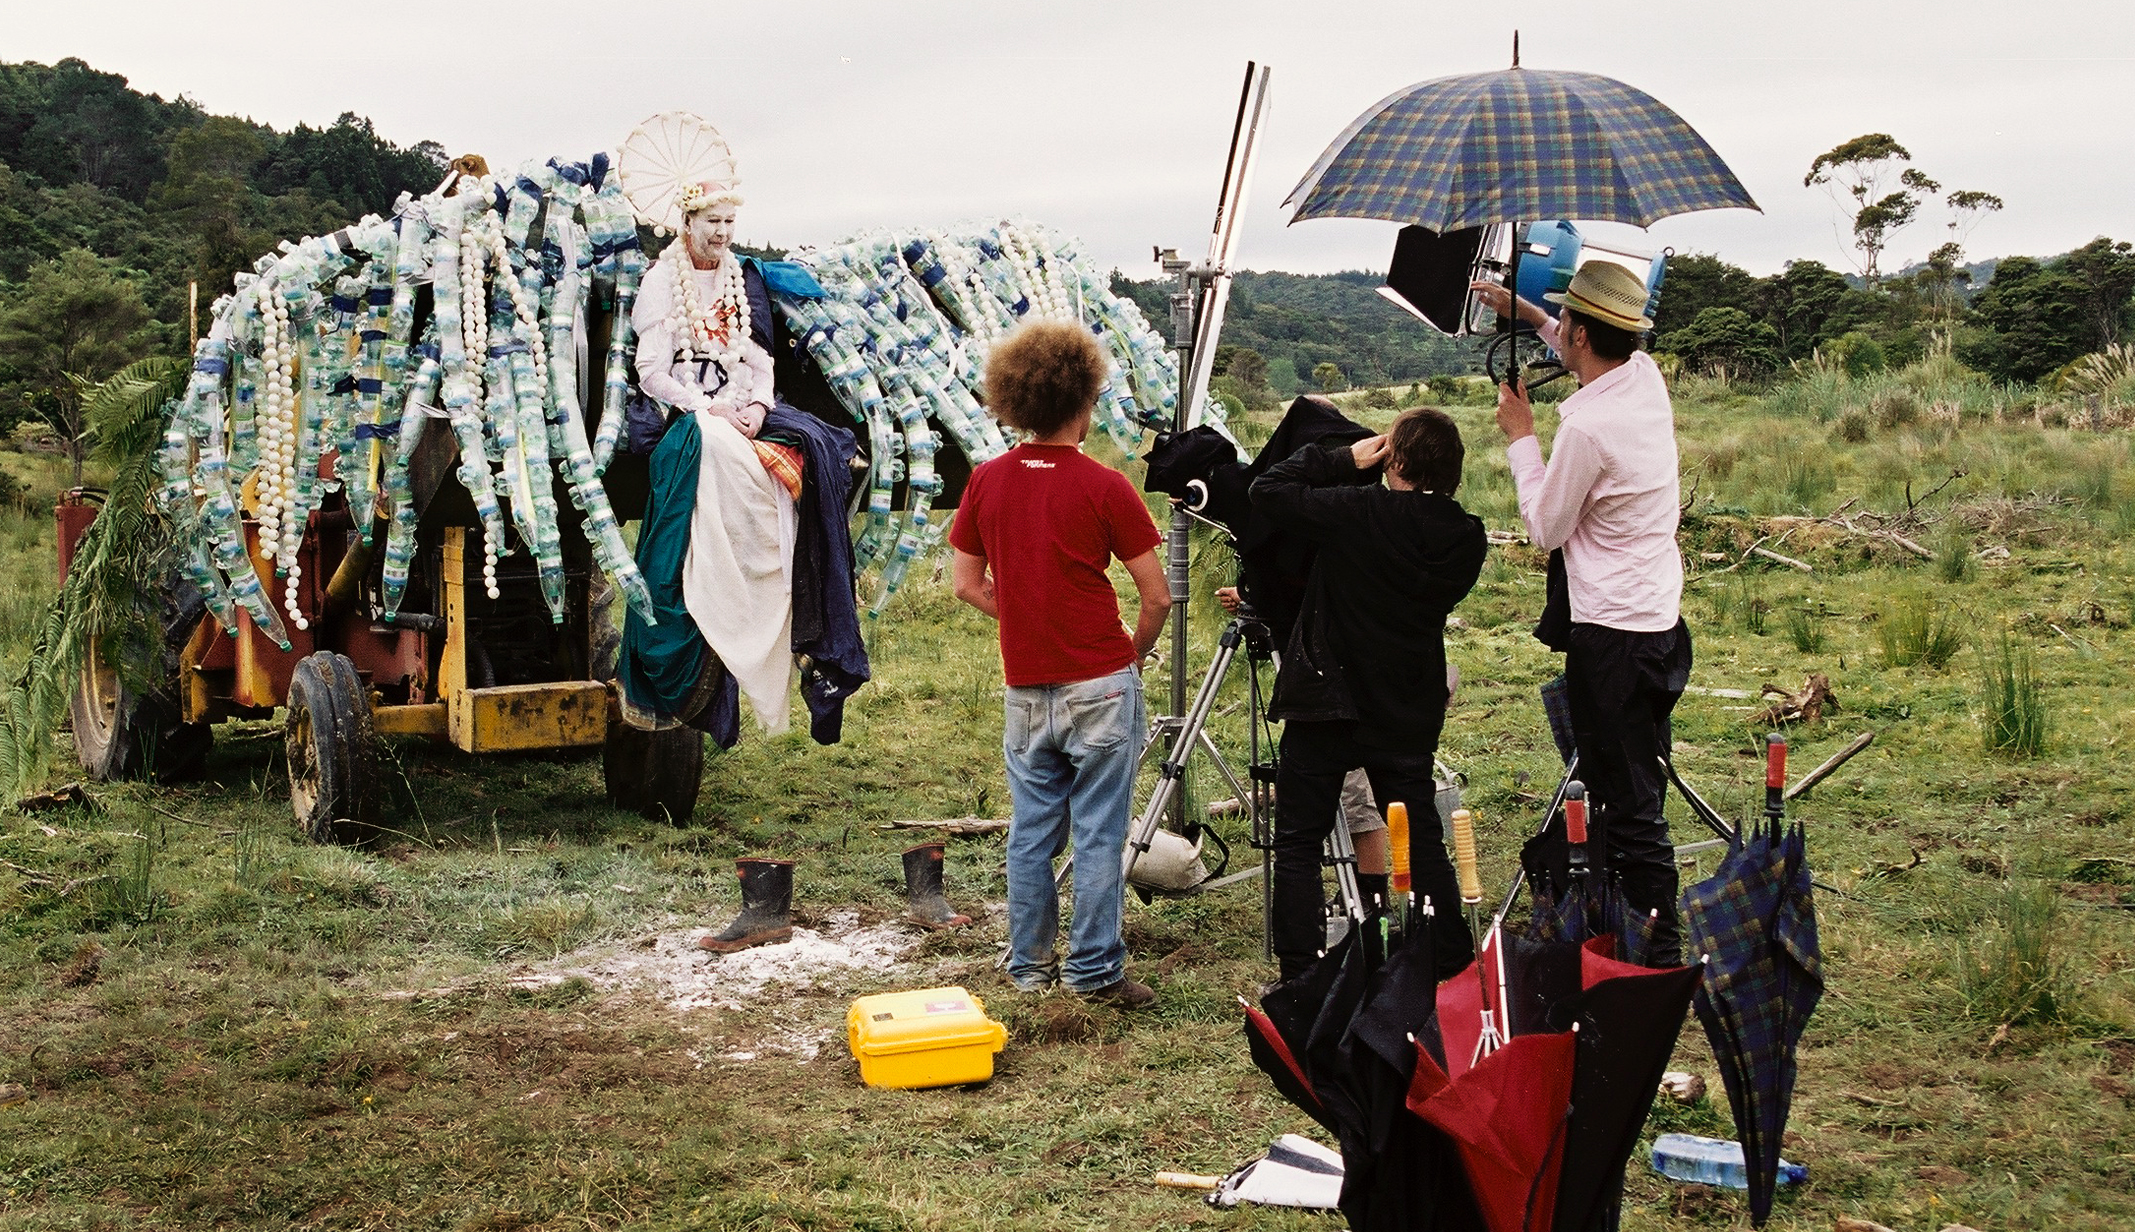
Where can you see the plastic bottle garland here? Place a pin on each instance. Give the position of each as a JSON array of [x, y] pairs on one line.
[[311, 379], [901, 337]]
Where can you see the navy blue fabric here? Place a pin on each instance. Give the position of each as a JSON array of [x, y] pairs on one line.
[[826, 618]]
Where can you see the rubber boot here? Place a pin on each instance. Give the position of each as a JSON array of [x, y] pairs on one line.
[[766, 908], [925, 904]]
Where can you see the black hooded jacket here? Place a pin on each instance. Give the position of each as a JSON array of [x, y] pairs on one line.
[[1369, 644]]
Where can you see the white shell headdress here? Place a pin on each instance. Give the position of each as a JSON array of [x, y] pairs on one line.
[[673, 163]]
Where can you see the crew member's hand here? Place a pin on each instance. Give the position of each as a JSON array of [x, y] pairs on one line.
[[1497, 297], [1369, 452], [1494, 296], [1228, 597], [1515, 415]]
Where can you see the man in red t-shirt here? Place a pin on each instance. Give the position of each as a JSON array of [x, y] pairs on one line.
[[1034, 534]]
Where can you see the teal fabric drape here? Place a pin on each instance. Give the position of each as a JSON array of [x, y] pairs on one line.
[[659, 665]]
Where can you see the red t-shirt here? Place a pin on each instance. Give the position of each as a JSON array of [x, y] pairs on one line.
[[1048, 521]]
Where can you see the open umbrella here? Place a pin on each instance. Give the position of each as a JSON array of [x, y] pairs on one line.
[[1521, 144], [1753, 922]]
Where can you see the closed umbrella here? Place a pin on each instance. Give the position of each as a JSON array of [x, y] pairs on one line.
[[1753, 924]]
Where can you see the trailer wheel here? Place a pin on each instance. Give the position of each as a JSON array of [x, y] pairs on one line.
[[121, 733], [333, 763], [654, 774]]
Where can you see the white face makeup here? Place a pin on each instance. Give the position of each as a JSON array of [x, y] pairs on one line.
[[710, 232]]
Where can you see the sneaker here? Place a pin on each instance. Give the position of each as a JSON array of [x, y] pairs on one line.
[[1126, 993]]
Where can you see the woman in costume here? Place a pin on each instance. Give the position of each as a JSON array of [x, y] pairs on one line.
[[745, 543]]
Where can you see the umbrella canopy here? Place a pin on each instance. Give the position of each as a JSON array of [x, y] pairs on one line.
[[1754, 924], [1507, 1118], [1522, 144], [1629, 1016]]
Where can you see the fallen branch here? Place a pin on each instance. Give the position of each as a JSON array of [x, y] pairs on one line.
[[1818, 775], [954, 825], [66, 796], [1805, 706], [1769, 554], [1907, 544]]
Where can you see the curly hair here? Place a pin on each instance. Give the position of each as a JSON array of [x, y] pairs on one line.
[[1425, 446], [1043, 375]]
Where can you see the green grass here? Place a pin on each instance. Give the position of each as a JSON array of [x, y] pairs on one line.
[[215, 1021]]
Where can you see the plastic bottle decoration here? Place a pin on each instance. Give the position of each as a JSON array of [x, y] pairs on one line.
[[311, 380]]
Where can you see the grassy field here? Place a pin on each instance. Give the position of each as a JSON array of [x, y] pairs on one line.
[[221, 1026]]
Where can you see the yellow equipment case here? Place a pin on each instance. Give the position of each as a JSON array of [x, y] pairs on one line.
[[931, 1037]]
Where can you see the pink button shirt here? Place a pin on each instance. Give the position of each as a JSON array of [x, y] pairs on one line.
[[1609, 497]]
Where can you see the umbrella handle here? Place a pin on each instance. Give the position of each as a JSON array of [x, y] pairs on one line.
[[1775, 779], [1471, 885], [1397, 841]]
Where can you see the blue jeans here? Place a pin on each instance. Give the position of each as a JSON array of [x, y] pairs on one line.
[[1072, 750]]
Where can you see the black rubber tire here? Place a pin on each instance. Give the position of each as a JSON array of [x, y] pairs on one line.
[[120, 733], [333, 755], [654, 774]]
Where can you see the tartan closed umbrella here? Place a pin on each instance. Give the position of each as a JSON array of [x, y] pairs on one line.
[[1521, 144], [1753, 923]]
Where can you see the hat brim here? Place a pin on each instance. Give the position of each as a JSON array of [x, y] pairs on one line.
[[1607, 316]]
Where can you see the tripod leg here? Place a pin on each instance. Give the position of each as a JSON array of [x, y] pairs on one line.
[[1342, 853], [1173, 769]]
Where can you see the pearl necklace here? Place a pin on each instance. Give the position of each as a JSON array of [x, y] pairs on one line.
[[714, 331]]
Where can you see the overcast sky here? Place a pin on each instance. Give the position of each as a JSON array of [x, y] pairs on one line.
[[1111, 120]]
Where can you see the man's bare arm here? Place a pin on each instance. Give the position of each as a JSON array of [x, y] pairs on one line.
[[973, 586], [1154, 591]]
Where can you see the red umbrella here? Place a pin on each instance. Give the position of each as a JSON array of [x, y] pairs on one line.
[[1506, 1117]]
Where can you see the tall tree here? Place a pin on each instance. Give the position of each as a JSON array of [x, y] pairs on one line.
[[208, 194], [2104, 272], [76, 316], [1697, 281], [1859, 176], [1799, 304]]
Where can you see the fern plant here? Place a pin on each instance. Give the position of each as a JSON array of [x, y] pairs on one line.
[[111, 593]]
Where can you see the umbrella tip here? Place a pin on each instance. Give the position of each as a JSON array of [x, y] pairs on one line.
[[1515, 49]]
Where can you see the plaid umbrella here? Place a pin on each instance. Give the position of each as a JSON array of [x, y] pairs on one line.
[[1485, 148], [1753, 922]]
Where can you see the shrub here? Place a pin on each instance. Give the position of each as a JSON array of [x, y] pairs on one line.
[[1856, 354], [1805, 627], [1380, 399], [1916, 629], [1853, 425], [1896, 408], [1953, 556], [2013, 713], [2020, 972]]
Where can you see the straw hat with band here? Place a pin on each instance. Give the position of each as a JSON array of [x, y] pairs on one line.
[[1609, 293]]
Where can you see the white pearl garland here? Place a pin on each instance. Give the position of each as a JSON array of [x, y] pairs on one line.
[[714, 331]]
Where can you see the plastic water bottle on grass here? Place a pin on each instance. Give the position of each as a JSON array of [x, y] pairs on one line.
[[1712, 1161]]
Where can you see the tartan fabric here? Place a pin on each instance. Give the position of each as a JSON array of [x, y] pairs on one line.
[[1557, 708], [1753, 922], [784, 463], [1518, 145]]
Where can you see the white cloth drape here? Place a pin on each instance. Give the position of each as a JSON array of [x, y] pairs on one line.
[[737, 575]]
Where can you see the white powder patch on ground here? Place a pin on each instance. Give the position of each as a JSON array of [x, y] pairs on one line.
[[670, 967]]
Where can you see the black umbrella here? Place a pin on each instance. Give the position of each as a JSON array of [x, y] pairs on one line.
[[1753, 923]]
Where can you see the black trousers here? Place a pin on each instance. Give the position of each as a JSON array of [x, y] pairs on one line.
[[1623, 686], [1315, 758]]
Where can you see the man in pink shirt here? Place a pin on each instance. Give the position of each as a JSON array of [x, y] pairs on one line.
[[1608, 498]]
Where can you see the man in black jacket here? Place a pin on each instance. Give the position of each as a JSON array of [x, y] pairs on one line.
[[1363, 682]]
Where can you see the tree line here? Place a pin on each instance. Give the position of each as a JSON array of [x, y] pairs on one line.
[[113, 201]]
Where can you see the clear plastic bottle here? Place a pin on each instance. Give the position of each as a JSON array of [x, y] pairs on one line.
[[1712, 1161]]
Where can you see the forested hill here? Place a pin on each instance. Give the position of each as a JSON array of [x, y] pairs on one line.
[[112, 200], [168, 193], [1297, 322]]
